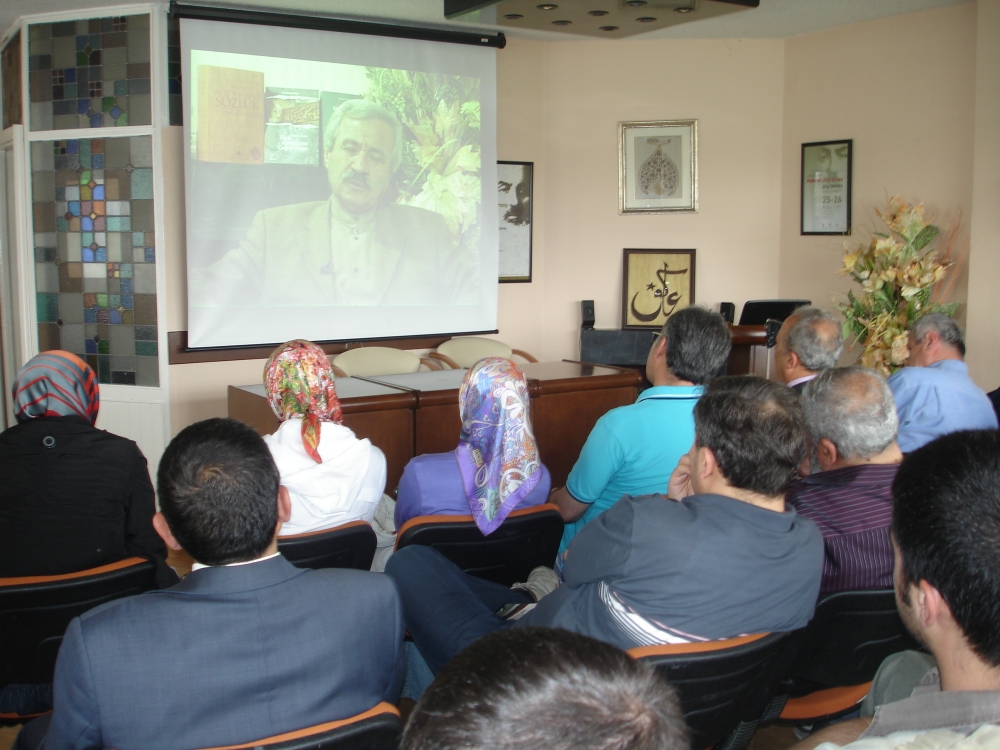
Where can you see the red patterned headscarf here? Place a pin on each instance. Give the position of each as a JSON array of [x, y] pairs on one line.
[[56, 384], [299, 383]]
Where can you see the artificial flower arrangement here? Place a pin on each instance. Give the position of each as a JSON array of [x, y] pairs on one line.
[[901, 279]]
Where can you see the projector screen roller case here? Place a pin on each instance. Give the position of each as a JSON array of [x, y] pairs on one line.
[[332, 198]]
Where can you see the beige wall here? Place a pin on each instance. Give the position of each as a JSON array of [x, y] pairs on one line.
[[903, 88], [982, 332]]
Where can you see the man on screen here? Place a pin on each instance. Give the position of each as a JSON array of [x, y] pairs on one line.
[[358, 248]]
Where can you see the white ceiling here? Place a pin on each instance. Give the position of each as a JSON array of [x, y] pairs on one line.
[[774, 18]]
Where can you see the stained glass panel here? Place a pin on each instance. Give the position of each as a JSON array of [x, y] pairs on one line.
[[90, 73], [95, 254]]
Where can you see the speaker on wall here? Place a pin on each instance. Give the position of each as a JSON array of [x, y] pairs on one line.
[[728, 311], [587, 310]]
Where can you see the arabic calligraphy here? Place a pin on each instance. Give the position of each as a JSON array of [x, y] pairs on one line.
[[666, 299]]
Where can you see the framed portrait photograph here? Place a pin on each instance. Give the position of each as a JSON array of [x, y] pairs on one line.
[[826, 187], [655, 285], [658, 167], [514, 203]]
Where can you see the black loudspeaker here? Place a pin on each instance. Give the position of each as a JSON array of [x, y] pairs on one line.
[[728, 311], [587, 309]]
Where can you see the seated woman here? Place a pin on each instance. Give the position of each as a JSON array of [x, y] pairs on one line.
[[332, 476], [495, 467], [73, 497]]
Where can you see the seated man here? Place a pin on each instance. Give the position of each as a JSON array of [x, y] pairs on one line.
[[633, 449], [808, 342], [946, 537], [247, 646], [934, 393], [722, 559], [546, 689], [851, 418]]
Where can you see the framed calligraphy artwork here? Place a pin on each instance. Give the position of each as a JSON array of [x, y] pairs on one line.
[[514, 203], [826, 187], [655, 285], [658, 167]]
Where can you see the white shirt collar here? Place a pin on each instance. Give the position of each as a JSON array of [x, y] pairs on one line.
[[803, 379], [199, 566]]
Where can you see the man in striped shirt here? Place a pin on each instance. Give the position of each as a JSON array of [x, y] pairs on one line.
[[851, 417]]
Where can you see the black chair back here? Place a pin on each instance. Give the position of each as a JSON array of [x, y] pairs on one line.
[[723, 686], [846, 641], [525, 540], [377, 729], [349, 546], [35, 612]]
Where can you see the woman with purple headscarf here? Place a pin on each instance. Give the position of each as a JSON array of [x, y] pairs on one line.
[[495, 467]]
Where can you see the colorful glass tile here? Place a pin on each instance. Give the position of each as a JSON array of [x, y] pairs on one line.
[[94, 271], [100, 59]]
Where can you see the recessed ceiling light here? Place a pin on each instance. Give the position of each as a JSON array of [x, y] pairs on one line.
[[513, 16], [683, 10], [561, 23], [636, 3], [597, 13], [646, 19], [609, 28], [547, 6]]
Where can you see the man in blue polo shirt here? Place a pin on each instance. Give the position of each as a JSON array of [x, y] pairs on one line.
[[633, 449], [934, 393]]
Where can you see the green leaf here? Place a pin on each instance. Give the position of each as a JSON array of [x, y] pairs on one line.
[[926, 236]]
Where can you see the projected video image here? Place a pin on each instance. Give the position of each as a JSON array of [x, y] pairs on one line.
[[326, 184]]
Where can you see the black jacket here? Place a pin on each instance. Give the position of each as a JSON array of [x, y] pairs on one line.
[[74, 497]]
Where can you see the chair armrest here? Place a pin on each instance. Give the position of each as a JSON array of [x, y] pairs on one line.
[[431, 364], [446, 359], [524, 354]]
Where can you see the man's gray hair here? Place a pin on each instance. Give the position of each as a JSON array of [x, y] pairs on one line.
[[945, 327], [853, 408], [698, 344], [363, 109], [811, 339]]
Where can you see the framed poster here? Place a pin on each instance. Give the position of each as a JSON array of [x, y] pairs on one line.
[[826, 187], [514, 203], [658, 167], [655, 285]]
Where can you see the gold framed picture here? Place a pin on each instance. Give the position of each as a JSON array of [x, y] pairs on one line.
[[658, 167], [655, 285]]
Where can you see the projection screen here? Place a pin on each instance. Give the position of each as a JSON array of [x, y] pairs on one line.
[[334, 185]]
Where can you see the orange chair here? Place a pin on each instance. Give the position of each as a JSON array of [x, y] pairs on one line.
[[724, 686], [527, 538], [850, 635], [351, 545], [36, 610], [378, 728]]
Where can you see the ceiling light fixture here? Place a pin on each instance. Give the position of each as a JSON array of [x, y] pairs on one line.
[[597, 13], [547, 6], [636, 3], [683, 10], [513, 16], [646, 19], [561, 23], [609, 28]]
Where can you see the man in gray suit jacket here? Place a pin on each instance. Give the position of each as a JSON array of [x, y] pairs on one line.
[[247, 646]]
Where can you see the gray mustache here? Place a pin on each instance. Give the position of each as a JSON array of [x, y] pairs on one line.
[[358, 178]]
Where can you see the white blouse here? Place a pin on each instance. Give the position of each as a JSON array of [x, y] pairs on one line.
[[345, 487]]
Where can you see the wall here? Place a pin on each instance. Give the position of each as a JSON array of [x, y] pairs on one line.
[[903, 88], [558, 105], [982, 332]]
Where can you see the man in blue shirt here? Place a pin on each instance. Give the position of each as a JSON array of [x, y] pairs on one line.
[[633, 449], [934, 393]]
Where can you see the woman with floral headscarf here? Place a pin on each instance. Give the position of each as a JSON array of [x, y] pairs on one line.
[[72, 496], [495, 467], [331, 476]]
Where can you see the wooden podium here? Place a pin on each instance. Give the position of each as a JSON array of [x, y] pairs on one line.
[[416, 413]]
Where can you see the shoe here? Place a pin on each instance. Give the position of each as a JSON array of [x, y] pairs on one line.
[[541, 581]]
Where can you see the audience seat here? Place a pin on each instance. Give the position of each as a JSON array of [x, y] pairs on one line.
[[527, 538], [465, 351], [377, 360], [724, 686], [842, 648], [351, 545], [36, 610], [378, 728]]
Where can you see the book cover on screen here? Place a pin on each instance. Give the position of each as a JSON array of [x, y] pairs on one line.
[[230, 115], [291, 135]]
